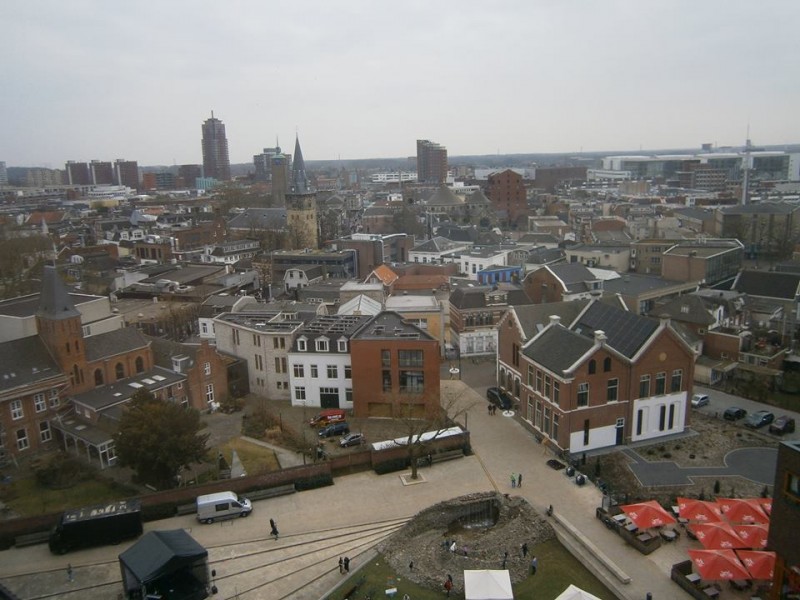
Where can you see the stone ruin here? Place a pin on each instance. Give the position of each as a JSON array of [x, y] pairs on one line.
[[486, 524]]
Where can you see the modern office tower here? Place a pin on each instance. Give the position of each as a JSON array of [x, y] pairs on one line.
[[102, 172], [77, 173], [216, 162], [263, 163], [39, 177], [431, 162], [189, 174], [301, 205], [126, 172], [3, 173]]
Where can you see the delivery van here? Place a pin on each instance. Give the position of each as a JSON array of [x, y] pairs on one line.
[[96, 525], [327, 417], [222, 505]]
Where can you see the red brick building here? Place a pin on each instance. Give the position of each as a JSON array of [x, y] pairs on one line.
[[508, 196], [395, 369]]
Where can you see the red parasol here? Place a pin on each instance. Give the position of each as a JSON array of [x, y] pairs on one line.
[[761, 565], [764, 503], [699, 510], [717, 535], [742, 511], [718, 564], [754, 534], [648, 514]]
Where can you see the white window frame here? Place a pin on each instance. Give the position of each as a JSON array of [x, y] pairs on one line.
[[22, 442], [45, 433], [40, 402], [210, 393], [302, 346], [17, 410], [300, 393], [207, 368]]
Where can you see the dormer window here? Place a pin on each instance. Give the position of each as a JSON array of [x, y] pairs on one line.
[[322, 345], [342, 346], [301, 345]]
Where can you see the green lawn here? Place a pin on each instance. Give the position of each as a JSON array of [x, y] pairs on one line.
[[27, 498], [557, 569], [255, 459]]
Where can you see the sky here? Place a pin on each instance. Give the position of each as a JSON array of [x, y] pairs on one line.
[[93, 79]]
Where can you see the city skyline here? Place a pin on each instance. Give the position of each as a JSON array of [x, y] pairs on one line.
[[97, 81]]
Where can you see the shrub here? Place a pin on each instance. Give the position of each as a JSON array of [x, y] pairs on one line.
[[716, 486], [59, 472], [667, 455]]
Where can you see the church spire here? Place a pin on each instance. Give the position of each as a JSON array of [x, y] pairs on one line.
[[299, 184], [54, 300]]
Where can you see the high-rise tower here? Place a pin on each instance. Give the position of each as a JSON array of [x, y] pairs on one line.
[[301, 205], [216, 162], [431, 162]]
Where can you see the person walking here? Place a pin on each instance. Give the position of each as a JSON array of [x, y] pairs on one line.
[[346, 564], [505, 559], [70, 573], [341, 565], [513, 480], [534, 565], [411, 566], [448, 585], [274, 531], [519, 480], [524, 549]]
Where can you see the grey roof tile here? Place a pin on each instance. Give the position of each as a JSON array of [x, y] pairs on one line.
[[113, 343], [25, 361], [558, 348]]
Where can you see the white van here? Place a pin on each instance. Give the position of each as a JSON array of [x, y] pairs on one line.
[[222, 505]]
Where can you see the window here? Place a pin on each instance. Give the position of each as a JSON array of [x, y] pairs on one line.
[[139, 364], [412, 382], [539, 385], [546, 424], [275, 343], [612, 389], [792, 487], [386, 358], [301, 345], [538, 417], [98, 377], [119, 371], [554, 434], [548, 381], [530, 375], [341, 345], [314, 371], [45, 434], [677, 380], [333, 372], [204, 327], [387, 381], [300, 393], [410, 358], [259, 362], [644, 386], [322, 345], [235, 336], [662, 417], [661, 383], [592, 367], [256, 340], [348, 395], [556, 391], [671, 421], [583, 394], [22, 439], [40, 403], [54, 401], [639, 421], [207, 368], [515, 355], [299, 371], [16, 410], [329, 396], [277, 364], [348, 372], [586, 430], [606, 364]]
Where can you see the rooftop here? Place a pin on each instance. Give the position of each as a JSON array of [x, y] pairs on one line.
[[389, 324]]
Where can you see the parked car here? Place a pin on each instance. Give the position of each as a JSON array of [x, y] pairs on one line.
[[499, 398], [781, 425], [759, 419], [734, 413], [335, 429], [352, 439], [699, 400]]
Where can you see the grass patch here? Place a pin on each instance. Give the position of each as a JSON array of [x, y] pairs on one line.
[[30, 499], [557, 569], [255, 459]]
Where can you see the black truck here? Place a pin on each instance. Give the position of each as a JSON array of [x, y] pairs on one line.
[[96, 525]]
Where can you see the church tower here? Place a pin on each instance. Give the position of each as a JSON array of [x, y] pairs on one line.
[[301, 206], [59, 325]]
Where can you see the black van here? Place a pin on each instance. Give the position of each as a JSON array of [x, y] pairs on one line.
[[96, 525]]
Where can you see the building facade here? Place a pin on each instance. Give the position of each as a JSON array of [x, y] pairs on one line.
[[508, 196], [431, 162], [301, 206], [216, 162]]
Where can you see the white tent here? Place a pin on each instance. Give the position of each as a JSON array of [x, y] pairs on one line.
[[487, 585], [573, 592]]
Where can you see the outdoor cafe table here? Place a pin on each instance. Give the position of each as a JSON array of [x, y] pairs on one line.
[[711, 591], [644, 537], [668, 535], [693, 578]]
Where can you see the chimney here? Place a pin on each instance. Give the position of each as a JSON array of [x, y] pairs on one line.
[[600, 336], [555, 319]]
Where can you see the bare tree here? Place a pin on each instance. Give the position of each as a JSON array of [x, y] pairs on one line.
[[423, 423]]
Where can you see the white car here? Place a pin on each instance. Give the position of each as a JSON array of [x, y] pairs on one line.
[[699, 400]]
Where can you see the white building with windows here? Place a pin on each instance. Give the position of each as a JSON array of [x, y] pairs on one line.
[[320, 372]]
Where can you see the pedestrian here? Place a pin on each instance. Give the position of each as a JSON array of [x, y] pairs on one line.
[[453, 547], [430, 459], [524, 550], [70, 574], [341, 565], [274, 531], [534, 565], [490, 409], [513, 480], [346, 564], [445, 545], [519, 480], [411, 566]]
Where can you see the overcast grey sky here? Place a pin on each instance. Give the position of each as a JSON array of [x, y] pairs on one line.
[[95, 79]]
